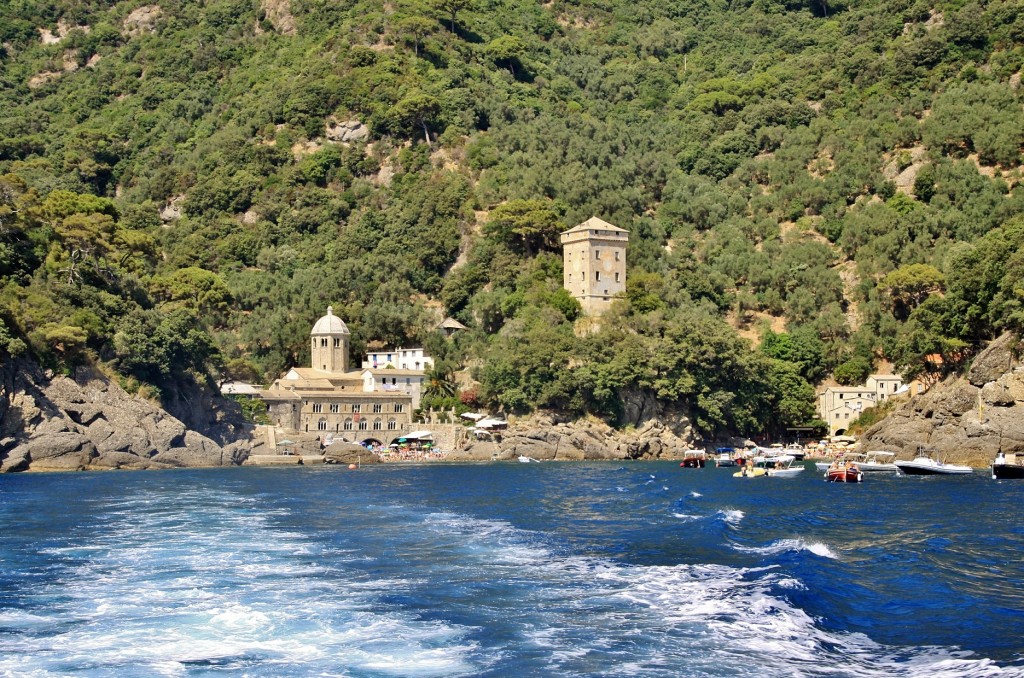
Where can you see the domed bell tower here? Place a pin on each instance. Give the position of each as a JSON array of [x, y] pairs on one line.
[[329, 342]]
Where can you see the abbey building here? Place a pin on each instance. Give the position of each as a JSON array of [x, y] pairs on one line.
[[360, 404]]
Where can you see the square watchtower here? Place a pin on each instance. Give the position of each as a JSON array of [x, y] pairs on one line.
[[594, 257]]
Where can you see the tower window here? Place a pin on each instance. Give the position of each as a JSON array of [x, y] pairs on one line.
[[337, 342], [597, 276], [597, 254], [323, 342], [616, 276], [616, 255]]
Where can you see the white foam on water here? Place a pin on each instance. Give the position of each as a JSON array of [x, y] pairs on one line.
[[168, 590], [732, 516], [189, 602], [788, 545], [696, 494]]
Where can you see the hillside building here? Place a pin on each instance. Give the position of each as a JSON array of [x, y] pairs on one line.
[[399, 358], [363, 404], [840, 405], [594, 257]]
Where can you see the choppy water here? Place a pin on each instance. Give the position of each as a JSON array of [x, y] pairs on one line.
[[596, 569]]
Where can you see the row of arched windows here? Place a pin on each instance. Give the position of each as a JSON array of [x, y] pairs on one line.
[[361, 425]]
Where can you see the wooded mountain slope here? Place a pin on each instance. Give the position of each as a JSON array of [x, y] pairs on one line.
[[187, 185]]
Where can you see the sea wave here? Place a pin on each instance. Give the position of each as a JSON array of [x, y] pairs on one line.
[[789, 545]]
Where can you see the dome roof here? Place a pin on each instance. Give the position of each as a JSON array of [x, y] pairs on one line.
[[330, 324]]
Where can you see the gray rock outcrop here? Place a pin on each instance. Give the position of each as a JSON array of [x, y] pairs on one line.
[[346, 131], [544, 438], [967, 420], [90, 423]]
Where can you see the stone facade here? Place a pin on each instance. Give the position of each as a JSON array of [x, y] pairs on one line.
[[840, 405], [356, 405], [594, 257]]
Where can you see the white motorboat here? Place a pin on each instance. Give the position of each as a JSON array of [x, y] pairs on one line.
[[923, 465], [874, 461], [523, 459], [780, 465]]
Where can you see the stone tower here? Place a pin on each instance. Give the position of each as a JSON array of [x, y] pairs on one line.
[[594, 257], [330, 339]]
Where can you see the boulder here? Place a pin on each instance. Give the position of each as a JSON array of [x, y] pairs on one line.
[[996, 360], [119, 460], [65, 451], [346, 131], [15, 460]]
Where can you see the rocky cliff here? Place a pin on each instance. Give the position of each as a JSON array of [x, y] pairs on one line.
[[90, 423], [966, 419], [545, 439]]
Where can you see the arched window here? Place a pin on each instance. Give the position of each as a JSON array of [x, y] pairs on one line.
[[348, 424], [392, 424], [321, 425], [362, 424], [377, 425]]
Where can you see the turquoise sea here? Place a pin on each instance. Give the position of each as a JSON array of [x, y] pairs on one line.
[[507, 569]]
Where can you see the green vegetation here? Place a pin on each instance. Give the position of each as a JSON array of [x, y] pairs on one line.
[[171, 204]]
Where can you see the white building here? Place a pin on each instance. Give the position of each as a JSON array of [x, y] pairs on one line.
[[399, 358]]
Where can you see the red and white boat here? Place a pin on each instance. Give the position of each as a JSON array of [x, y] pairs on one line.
[[844, 472], [694, 459]]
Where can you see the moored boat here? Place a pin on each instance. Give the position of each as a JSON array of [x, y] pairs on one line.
[[778, 465], [523, 459], [924, 465], [868, 462], [1008, 466], [796, 450], [724, 457], [694, 459], [750, 471], [844, 472]]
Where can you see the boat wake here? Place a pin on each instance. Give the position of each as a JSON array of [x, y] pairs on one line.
[[789, 545]]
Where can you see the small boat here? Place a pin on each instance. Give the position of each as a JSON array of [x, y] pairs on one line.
[[694, 459], [750, 471], [869, 462], [1008, 466], [528, 460], [723, 457], [796, 450], [925, 465], [844, 472], [780, 466]]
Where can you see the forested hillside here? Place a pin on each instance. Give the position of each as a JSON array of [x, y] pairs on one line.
[[811, 187]]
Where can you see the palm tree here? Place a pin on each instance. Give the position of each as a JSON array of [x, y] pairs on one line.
[[440, 383]]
